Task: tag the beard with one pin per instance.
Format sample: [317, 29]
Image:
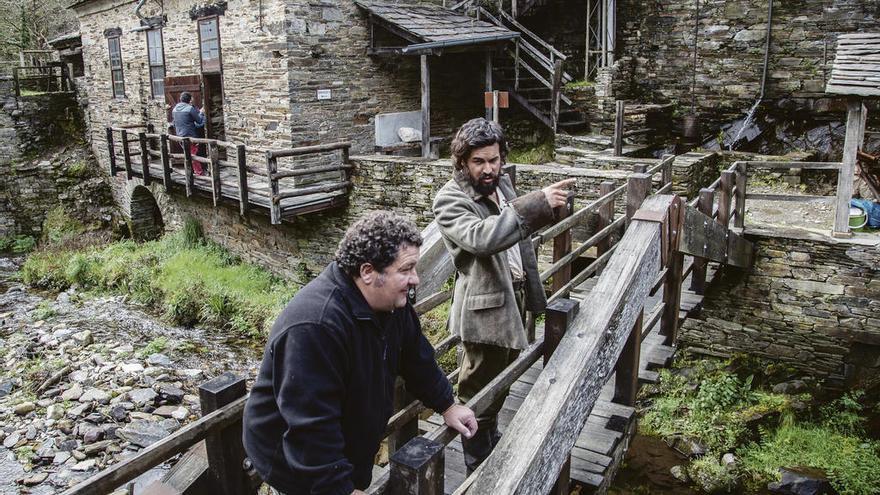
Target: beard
[484, 188]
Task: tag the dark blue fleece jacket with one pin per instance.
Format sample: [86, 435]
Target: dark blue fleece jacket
[318, 410]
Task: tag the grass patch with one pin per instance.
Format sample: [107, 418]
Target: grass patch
[435, 329]
[43, 311]
[582, 84]
[157, 345]
[17, 244]
[189, 280]
[60, 228]
[542, 153]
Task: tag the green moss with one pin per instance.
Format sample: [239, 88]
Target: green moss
[59, 227]
[542, 153]
[43, 311]
[434, 326]
[158, 344]
[18, 244]
[576, 85]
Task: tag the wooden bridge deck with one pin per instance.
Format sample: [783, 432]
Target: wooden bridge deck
[602, 443]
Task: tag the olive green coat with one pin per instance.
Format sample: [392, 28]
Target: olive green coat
[477, 235]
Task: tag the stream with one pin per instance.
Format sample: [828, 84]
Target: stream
[87, 381]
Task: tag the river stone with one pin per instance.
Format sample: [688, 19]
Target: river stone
[190, 373]
[84, 465]
[45, 402]
[83, 338]
[801, 481]
[60, 457]
[6, 388]
[31, 433]
[96, 447]
[118, 413]
[791, 387]
[78, 376]
[170, 394]
[91, 434]
[728, 460]
[10, 441]
[95, 395]
[159, 359]
[79, 410]
[143, 433]
[35, 479]
[73, 393]
[141, 396]
[24, 408]
[68, 445]
[131, 367]
[176, 412]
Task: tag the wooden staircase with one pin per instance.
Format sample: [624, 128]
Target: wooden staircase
[530, 69]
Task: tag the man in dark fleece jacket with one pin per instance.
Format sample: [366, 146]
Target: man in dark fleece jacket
[318, 410]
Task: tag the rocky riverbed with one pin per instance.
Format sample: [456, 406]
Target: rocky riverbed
[88, 381]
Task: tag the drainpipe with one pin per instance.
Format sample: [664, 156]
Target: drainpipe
[766, 49]
[137, 10]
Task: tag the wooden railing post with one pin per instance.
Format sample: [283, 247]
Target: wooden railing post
[225, 450]
[666, 171]
[626, 372]
[166, 161]
[410, 429]
[241, 157]
[560, 313]
[126, 154]
[418, 468]
[113, 169]
[556, 93]
[742, 177]
[606, 216]
[698, 277]
[274, 201]
[187, 165]
[725, 189]
[855, 134]
[214, 153]
[562, 245]
[618, 127]
[145, 158]
[637, 188]
[674, 272]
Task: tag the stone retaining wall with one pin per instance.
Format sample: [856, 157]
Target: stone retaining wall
[809, 302]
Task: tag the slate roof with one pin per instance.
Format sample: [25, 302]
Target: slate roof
[432, 23]
[856, 69]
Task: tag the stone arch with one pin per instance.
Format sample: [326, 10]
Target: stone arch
[145, 217]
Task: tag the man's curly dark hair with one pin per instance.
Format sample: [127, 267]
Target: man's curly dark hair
[474, 134]
[375, 239]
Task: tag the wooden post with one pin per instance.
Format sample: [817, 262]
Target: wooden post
[640, 168]
[666, 171]
[166, 161]
[241, 156]
[410, 429]
[225, 450]
[618, 128]
[698, 275]
[637, 188]
[626, 372]
[145, 158]
[562, 245]
[274, 202]
[742, 177]
[674, 271]
[855, 134]
[560, 313]
[16, 82]
[488, 65]
[187, 166]
[426, 107]
[214, 153]
[516, 64]
[126, 154]
[606, 216]
[556, 93]
[112, 152]
[418, 468]
[725, 189]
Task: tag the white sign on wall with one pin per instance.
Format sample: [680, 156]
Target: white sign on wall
[324, 94]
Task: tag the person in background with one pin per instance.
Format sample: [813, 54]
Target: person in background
[187, 122]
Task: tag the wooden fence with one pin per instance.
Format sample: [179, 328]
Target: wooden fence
[230, 173]
[42, 79]
[621, 111]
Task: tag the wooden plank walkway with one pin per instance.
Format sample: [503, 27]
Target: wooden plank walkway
[604, 439]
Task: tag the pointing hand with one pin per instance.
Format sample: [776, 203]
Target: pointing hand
[557, 193]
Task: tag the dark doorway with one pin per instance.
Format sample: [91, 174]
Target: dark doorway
[214, 127]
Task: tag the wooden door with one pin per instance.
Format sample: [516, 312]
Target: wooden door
[178, 84]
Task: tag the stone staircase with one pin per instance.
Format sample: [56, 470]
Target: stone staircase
[596, 152]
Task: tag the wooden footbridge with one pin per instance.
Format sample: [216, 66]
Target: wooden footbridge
[570, 411]
[287, 183]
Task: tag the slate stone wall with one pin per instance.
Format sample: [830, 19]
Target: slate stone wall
[809, 303]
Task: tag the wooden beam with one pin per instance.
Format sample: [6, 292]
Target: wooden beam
[669, 321]
[145, 158]
[435, 263]
[606, 216]
[241, 162]
[626, 371]
[556, 93]
[214, 154]
[705, 204]
[742, 178]
[426, 106]
[559, 316]
[855, 135]
[702, 236]
[488, 67]
[544, 430]
[166, 162]
[109, 134]
[562, 246]
[638, 186]
[618, 127]
[274, 201]
[187, 166]
[126, 155]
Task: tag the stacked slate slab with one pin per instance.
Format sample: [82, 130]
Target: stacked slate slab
[856, 69]
[430, 23]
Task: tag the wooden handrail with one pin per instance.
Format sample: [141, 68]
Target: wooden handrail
[305, 150]
[311, 170]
